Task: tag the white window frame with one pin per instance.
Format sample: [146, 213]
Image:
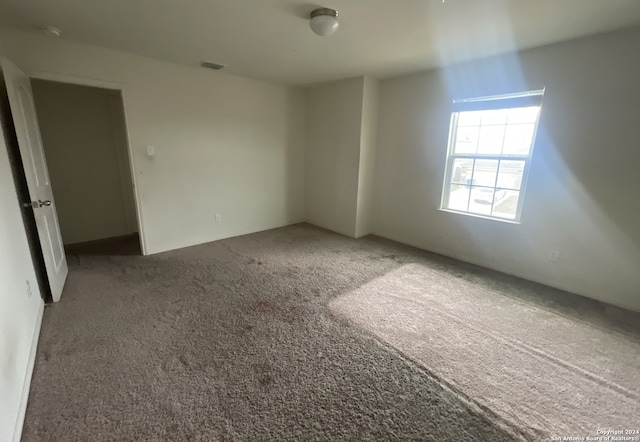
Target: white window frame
[507, 101]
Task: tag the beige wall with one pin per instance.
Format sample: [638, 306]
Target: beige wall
[334, 118]
[341, 133]
[84, 151]
[368, 149]
[582, 195]
[224, 144]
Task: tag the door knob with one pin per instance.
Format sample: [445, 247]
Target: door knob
[36, 204]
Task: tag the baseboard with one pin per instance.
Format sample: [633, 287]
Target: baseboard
[182, 245]
[22, 411]
[331, 229]
[101, 240]
[566, 288]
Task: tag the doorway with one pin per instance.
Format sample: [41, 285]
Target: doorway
[84, 139]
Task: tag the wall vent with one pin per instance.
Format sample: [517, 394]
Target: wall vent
[211, 65]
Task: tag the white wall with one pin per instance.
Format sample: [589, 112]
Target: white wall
[333, 130]
[341, 132]
[368, 149]
[20, 307]
[82, 150]
[224, 144]
[582, 195]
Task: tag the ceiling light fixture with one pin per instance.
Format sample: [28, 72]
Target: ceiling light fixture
[324, 21]
[51, 31]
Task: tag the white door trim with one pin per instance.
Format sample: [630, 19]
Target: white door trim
[118, 129]
[117, 86]
[72, 79]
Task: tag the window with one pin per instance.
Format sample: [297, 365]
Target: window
[490, 145]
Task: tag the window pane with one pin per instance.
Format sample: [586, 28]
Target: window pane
[491, 138]
[489, 152]
[458, 197]
[485, 172]
[467, 139]
[461, 172]
[518, 138]
[469, 118]
[481, 199]
[495, 116]
[523, 115]
[510, 175]
[506, 203]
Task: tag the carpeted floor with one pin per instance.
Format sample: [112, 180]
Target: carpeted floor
[548, 375]
[240, 340]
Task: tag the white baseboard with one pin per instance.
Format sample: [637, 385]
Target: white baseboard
[22, 411]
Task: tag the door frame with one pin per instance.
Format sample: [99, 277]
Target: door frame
[119, 87]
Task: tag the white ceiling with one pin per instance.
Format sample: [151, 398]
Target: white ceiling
[271, 39]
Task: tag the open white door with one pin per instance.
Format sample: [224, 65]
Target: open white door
[25, 120]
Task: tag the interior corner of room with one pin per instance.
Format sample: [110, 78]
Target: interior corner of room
[163, 156]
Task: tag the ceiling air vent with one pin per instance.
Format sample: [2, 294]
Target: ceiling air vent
[211, 65]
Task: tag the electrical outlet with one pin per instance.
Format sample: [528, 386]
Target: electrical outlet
[28, 289]
[218, 217]
[553, 255]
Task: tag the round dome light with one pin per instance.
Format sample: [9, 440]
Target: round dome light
[324, 21]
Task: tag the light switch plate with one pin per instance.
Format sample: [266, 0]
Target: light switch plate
[151, 151]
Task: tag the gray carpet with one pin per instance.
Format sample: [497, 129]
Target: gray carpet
[546, 374]
[236, 340]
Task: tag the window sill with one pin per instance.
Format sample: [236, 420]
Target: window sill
[477, 215]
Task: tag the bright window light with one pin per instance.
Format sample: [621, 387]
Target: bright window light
[490, 145]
